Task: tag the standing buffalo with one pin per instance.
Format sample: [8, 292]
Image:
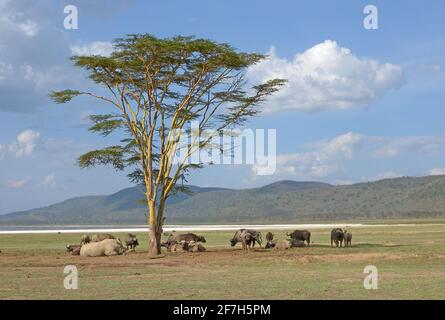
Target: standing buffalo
[131, 242]
[347, 238]
[247, 237]
[302, 235]
[337, 236]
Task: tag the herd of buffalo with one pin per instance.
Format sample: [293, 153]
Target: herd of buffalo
[108, 245]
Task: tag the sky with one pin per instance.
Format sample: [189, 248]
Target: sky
[360, 104]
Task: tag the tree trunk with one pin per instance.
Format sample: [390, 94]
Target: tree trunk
[154, 247]
[154, 231]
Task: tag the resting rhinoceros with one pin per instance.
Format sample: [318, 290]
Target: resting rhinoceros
[107, 247]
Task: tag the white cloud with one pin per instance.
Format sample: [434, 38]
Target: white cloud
[17, 184]
[436, 171]
[93, 48]
[24, 144]
[28, 27]
[2, 151]
[34, 56]
[343, 182]
[383, 175]
[49, 180]
[16, 20]
[324, 77]
[5, 70]
[330, 156]
[324, 160]
[392, 147]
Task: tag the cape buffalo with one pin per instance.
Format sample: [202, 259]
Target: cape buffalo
[247, 237]
[95, 238]
[270, 244]
[269, 239]
[302, 235]
[131, 242]
[74, 249]
[337, 236]
[196, 247]
[296, 243]
[189, 237]
[182, 246]
[347, 238]
[100, 237]
[85, 239]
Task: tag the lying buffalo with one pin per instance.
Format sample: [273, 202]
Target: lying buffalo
[337, 237]
[74, 249]
[182, 242]
[188, 237]
[247, 237]
[101, 237]
[285, 244]
[107, 247]
[302, 235]
[294, 243]
[184, 246]
[95, 238]
[196, 247]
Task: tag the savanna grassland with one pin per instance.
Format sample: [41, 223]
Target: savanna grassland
[410, 260]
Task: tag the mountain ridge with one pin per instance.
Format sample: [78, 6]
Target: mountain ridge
[281, 201]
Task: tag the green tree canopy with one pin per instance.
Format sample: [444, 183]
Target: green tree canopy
[157, 87]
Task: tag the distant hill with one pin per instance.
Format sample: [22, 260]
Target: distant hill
[283, 201]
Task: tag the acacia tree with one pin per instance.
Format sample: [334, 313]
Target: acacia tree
[157, 87]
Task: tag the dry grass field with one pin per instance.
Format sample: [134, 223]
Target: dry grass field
[410, 261]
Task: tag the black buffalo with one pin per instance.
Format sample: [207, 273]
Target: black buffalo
[347, 238]
[74, 249]
[247, 237]
[337, 236]
[189, 237]
[131, 242]
[302, 235]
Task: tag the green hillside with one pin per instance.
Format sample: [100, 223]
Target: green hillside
[283, 201]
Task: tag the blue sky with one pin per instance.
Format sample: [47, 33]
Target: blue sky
[361, 104]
